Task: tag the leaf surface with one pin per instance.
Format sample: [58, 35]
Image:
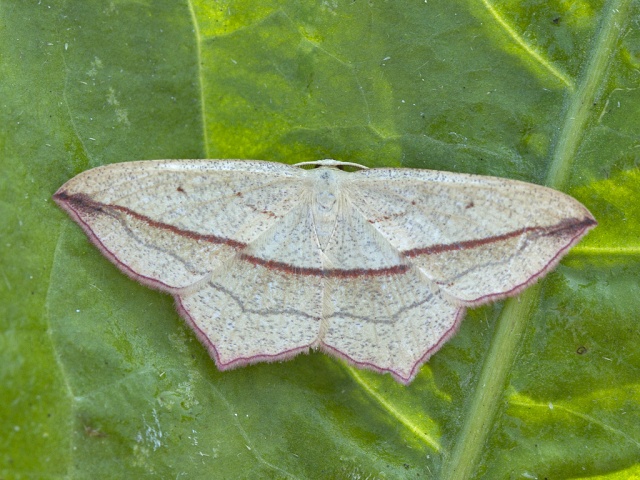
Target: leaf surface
[99, 377]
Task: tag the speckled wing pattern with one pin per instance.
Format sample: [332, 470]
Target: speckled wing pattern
[267, 260]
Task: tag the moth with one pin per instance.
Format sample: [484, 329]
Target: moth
[267, 260]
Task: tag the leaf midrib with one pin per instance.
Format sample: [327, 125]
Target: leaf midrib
[488, 396]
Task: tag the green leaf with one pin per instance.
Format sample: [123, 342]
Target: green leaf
[100, 378]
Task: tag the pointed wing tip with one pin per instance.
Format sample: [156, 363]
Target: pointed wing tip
[60, 196]
[576, 230]
[589, 224]
[579, 228]
[72, 205]
[67, 201]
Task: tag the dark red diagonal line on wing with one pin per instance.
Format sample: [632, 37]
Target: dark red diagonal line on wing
[83, 202]
[569, 225]
[326, 272]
